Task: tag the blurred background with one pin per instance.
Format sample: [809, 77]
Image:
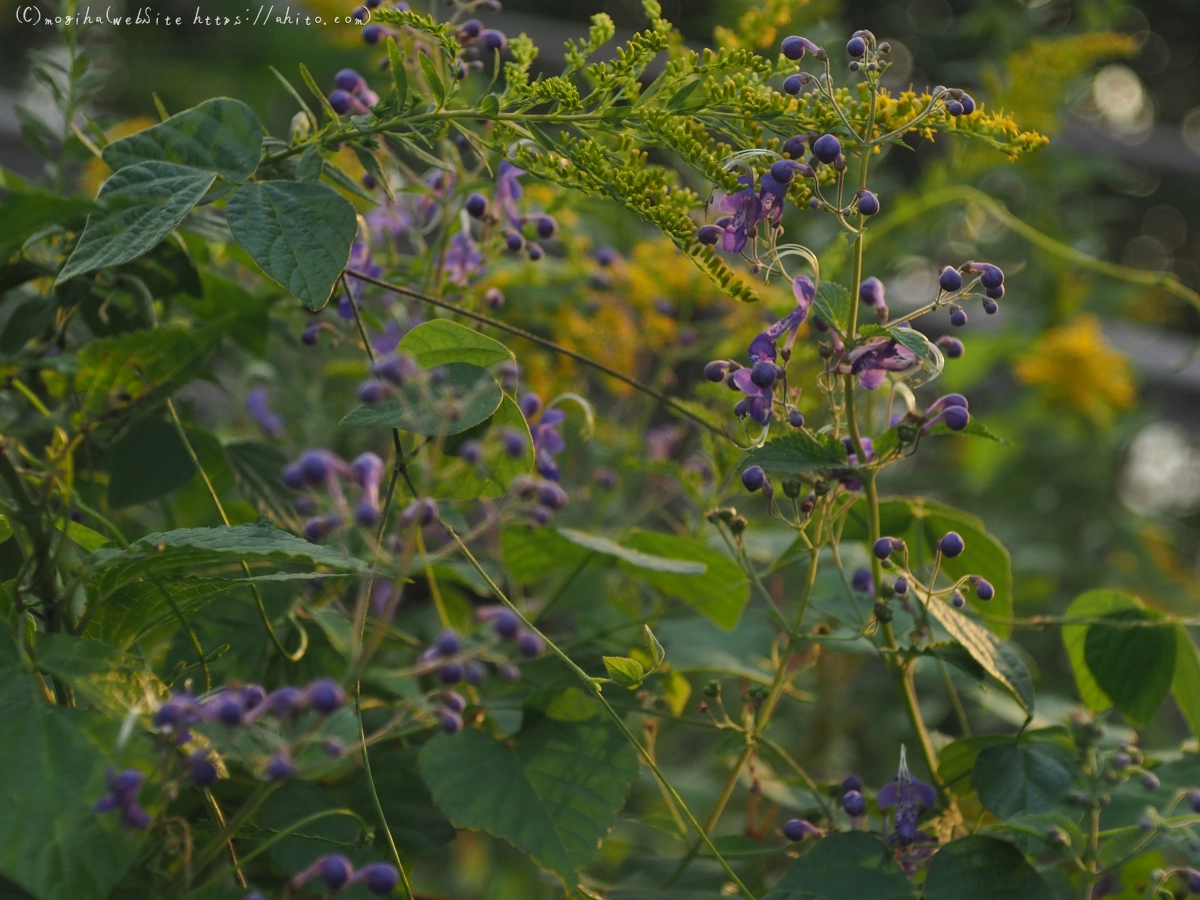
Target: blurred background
[1093, 381]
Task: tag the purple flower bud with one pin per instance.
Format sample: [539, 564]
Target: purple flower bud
[994, 293]
[368, 470]
[534, 250]
[798, 830]
[852, 783]
[950, 280]
[552, 496]
[422, 512]
[311, 330]
[335, 870]
[967, 103]
[957, 600]
[796, 419]
[545, 226]
[951, 544]
[983, 588]
[451, 722]
[280, 766]
[469, 30]
[856, 47]
[793, 48]
[955, 417]
[325, 696]
[319, 527]
[372, 33]
[794, 147]
[901, 586]
[606, 478]
[958, 317]
[514, 240]
[884, 547]
[125, 784]
[906, 832]
[293, 476]
[349, 80]
[227, 709]
[862, 581]
[451, 673]
[990, 276]
[493, 40]
[508, 673]
[763, 374]
[454, 700]
[871, 292]
[854, 803]
[476, 206]
[1121, 761]
[514, 442]
[954, 108]
[380, 878]
[394, 369]
[1150, 781]
[474, 672]
[868, 203]
[827, 148]
[754, 478]
[716, 371]
[448, 643]
[204, 771]
[951, 346]
[529, 644]
[506, 624]
[793, 84]
[341, 101]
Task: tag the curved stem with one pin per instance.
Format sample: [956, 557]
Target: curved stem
[408, 891]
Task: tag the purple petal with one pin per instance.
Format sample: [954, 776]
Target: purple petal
[804, 290]
[888, 795]
[762, 347]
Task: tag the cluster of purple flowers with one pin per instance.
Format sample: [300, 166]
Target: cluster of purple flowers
[323, 468]
[520, 228]
[351, 94]
[543, 428]
[950, 545]
[454, 662]
[337, 873]
[387, 372]
[952, 285]
[123, 789]
[757, 383]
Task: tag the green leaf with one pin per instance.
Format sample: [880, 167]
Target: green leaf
[299, 233]
[310, 165]
[419, 409]
[1000, 661]
[399, 72]
[852, 864]
[1091, 605]
[22, 213]
[720, 593]
[51, 775]
[532, 553]
[489, 106]
[974, 428]
[657, 654]
[929, 355]
[433, 78]
[832, 304]
[147, 462]
[141, 366]
[796, 454]
[1186, 684]
[415, 822]
[78, 534]
[255, 467]
[1026, 777]
[441, 341]
[193, 550]
[956, 761]
[628, 673]
[635, 558]
[552, 792]
[679, 100]
[1132, 661]
[983, 868]
[139, 206]
[220, 135]
[502, 468]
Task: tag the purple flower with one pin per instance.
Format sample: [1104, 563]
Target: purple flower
[909, 797]
[509, 191]
[747, 211]
[546, 438]
[951, 409]
[873, 360]
[389, 220]
[260, 411]
[123, 788]
[462, 259]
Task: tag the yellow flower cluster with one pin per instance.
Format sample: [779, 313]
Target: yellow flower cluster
[1075, 368]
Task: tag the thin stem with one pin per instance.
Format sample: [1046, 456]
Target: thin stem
[408, 892]
[212, 492]
[678, 408]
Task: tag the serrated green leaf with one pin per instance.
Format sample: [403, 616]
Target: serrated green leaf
[440, 341]
[553, 791]
[415, 409]
[1132, 660]
[983, 868]
[832, 305]
[852, 864]
[298, 233]
[139, 206]
[1026, 777]
[626, 672]
[220, 135]
[796, 453]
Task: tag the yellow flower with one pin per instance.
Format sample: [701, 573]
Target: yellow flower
[1074, 367]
